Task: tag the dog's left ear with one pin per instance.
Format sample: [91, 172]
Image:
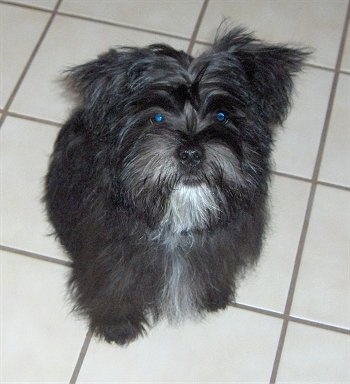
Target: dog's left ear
[269, 69]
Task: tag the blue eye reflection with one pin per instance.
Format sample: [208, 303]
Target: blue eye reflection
[220, 117]
[158, 117]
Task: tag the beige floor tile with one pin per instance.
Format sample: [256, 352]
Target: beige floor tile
[40, 94]
[314, 355]
[267, 286]
[297, 143]
[323, 287]
[233, 346]
[20, 30]
[335, 167]
[176, 17]
[40, 341]
[25, 150]
[316, 23]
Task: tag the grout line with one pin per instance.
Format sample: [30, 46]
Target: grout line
[319, 66]
[324, 326]
[291, 176]
[336, 186]
[121, 25]
[310, 202]
[81, 357]
[27, 6]
[197, 26]
[35, 255]
[307, 180]
[294, 319]
[203, 42]
[261, 311]
[35, 119]
[29, 63]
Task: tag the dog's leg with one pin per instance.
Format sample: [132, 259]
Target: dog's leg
[218, 299]
[111, 300]
[120, 329]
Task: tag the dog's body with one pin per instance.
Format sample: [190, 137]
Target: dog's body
[158, 183]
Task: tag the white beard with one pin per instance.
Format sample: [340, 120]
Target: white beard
[190, 207]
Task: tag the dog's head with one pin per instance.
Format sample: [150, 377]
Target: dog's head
[187, 140]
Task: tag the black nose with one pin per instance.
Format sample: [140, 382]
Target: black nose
[190, 156]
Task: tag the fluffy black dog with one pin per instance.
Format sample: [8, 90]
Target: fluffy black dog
[158, 183]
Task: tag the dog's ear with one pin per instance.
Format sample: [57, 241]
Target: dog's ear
[103, 86]
[98, 88]
[269, 69]
[119, 71]
[91, 80]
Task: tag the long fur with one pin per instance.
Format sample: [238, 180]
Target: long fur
[153, 232]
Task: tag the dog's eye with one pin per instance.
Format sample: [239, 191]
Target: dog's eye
[158, 118]
[220, 117]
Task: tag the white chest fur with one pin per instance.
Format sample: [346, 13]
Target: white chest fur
[189, 208]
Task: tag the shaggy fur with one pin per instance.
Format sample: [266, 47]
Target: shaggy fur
[161, 216]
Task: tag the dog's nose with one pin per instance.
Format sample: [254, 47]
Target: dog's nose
[190, 156]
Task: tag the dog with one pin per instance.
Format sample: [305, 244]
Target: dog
[157, 187]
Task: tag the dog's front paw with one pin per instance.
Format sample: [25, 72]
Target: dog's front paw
[121, 332]
[217, 301]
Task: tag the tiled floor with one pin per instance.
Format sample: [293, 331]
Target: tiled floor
[291, 322]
